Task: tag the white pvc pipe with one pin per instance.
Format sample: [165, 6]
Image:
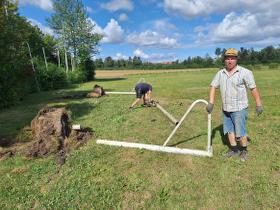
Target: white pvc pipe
[209, 147]
[121, 93]
[154, 147]
[167, 114]
[209, 142]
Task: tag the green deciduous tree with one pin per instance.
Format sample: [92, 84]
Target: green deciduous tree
[109, 62]
[75, 31]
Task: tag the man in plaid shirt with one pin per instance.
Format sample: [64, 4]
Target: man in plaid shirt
[233, 81]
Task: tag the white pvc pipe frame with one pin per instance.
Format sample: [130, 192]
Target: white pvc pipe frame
[121, 93]
[164, 148]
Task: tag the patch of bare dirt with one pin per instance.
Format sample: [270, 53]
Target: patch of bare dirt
[49, 128]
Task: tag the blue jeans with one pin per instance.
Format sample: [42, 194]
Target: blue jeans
[235, 122]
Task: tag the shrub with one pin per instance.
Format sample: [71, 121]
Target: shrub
[53, 78]
[58, 76]
[88, 69]
[12, 82]
[77, 76]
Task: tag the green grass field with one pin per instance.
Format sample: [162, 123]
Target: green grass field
[104, 177]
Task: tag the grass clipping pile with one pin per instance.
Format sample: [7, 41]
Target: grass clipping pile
[52, 134]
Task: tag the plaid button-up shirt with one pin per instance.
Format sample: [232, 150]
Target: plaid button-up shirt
[233, 87]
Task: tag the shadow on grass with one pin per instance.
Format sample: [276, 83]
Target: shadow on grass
[219, 129]
[186, 140]
[108, 79]
[79, 109]
[82, 94]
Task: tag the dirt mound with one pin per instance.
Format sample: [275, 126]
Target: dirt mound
[51, 134]
[49, 129]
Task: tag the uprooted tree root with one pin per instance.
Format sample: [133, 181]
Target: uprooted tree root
[51, 134]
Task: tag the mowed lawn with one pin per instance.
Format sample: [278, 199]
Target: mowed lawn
[104, 177]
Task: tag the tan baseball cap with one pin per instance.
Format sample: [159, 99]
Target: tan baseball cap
[231, 52]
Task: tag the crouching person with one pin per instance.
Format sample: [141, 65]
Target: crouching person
[143, 90]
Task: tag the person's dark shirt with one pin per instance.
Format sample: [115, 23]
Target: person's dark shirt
[141, 89]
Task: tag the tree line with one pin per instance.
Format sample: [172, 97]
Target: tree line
[268, 55]
[32, 61]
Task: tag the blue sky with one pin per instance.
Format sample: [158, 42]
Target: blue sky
[166, 30]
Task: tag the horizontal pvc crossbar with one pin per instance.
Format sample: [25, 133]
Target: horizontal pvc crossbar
[155, 147]
[121, 93]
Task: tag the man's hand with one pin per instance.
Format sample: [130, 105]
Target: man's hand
[209, 108]
[259, 110]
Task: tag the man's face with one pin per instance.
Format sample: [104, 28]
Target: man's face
[230, 62]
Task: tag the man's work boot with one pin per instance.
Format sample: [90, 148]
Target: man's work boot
[243, 155]
[231, 153]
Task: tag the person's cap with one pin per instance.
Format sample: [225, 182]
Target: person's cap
[231, 52]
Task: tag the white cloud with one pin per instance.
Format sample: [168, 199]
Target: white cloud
[154, 56]
[188, 8]
[152, 39]
[97, 29]
[116, 5]
[254, 20]
[43, 4]
[44, 29]
[198, 8]
[112, 33]
[163, 25]
[120, 56]
[123, 17]
[243, 28]
[140, 53]
[235, 27]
